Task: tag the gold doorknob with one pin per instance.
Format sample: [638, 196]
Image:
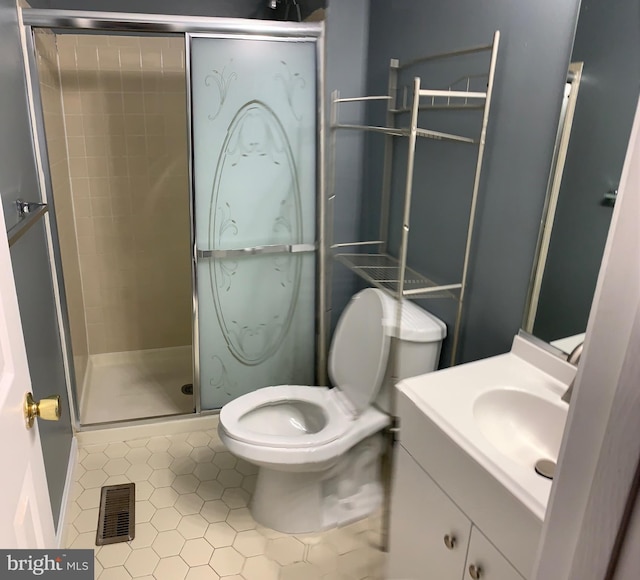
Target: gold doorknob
[47, 409]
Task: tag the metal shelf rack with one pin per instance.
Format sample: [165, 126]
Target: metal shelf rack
[379, 268]
[383, 271]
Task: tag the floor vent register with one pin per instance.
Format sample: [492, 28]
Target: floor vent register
[116, 520]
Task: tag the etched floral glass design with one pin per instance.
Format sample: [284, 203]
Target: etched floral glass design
[254, 155]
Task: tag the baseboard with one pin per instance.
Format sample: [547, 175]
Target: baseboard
[66, 494]
[148, 428]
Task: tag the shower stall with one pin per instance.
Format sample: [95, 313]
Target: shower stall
[181, 162]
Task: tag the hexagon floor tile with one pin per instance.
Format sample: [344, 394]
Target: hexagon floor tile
[193, 521]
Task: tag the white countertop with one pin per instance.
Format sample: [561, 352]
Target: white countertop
[447, 397]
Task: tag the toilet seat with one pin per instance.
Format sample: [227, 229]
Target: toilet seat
[336, 421]
[307, 452]
[281, 425]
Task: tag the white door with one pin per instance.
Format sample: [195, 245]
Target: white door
[27, 520]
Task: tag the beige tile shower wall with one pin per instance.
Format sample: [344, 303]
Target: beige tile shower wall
[125, 113]
[57, 148]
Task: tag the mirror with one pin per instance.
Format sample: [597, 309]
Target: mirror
[595, 124]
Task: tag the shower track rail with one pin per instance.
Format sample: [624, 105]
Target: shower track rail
[155, 23]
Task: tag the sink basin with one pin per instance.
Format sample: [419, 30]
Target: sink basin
[504, 413]
[522, 426]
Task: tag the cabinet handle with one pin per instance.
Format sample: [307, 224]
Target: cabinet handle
[475, 572]
[450, 541]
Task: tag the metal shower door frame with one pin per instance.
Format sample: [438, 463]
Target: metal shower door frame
[188, 26]
[41, 158]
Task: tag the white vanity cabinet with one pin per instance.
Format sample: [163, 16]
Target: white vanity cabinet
[431, 538]
[429, 535]
[452, 478]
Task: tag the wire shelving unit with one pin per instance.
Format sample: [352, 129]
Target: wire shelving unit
[379, 268]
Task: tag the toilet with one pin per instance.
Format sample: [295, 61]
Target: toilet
[318, 449]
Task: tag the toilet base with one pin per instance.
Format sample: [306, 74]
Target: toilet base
[306, 502]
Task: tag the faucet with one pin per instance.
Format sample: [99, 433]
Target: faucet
[573, 358]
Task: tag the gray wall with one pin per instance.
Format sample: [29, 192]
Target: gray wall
[17, 171]
[608, 42]
[347, 30]
[534, 54]
[30, 255]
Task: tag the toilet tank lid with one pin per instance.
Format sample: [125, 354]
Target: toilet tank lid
[417, 325]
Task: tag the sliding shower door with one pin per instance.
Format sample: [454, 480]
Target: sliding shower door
[253, 122]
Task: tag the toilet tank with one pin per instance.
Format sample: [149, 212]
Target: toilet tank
[418, 350]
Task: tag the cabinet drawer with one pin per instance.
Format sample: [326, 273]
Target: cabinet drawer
[489, 563]
[421, 516]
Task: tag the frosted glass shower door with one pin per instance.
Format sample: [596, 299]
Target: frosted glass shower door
[254, 174]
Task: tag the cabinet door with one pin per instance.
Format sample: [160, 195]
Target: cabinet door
[421, 516]
[488, 562]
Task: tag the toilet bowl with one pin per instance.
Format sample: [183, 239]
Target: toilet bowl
[318, 448]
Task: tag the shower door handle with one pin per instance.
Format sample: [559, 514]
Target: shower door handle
[257, 250]
[29, 213]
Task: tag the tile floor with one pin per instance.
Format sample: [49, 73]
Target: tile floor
[137, 384]
[192, 520]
